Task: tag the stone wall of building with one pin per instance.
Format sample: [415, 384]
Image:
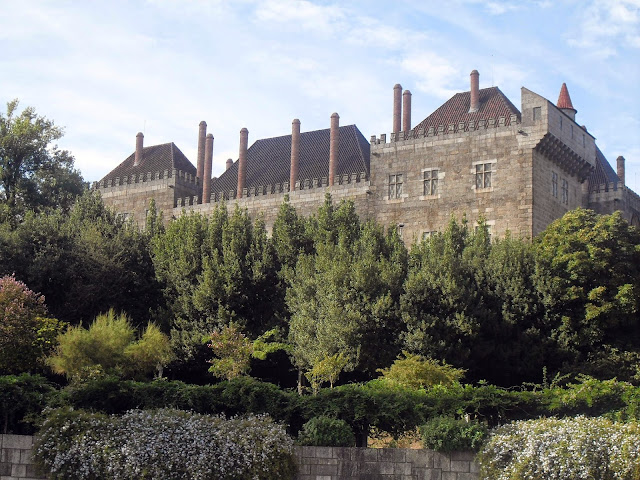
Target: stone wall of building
[131, 196]
[331, 463]
[306, 201]
[505, 205]
[16, 462]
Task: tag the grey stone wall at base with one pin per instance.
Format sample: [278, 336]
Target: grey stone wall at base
[342, 463]
[15, 458]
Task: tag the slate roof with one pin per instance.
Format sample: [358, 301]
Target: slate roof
[603, 173]
[269, 159]
[492, 104]
[156, 158]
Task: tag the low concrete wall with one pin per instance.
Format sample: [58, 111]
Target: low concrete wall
[331, 463]
[15, 458]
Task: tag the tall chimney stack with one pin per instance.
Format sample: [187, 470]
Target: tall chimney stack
[475, 92]
[295, 153]
[620, 168]
[397, 107]
[202, 133]
[139, 145]
[333, 146]
[406, 111]
[242, 160]
[229, 163]
[208, 164]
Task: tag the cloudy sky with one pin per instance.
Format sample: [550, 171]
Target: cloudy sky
[106, 70]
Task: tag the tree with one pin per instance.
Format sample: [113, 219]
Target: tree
[109, 346]
[232, 352]
[26, 335]
[416, 371]
[588, 275]
[34, 174]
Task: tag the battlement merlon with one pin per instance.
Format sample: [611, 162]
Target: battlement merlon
[452, 128]
[147, 179]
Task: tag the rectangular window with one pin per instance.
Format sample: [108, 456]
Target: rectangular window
[554, 184]
[483, 175]
[430, 182]
[537, 113]
[565, 191]
[426, 235]
[395, 185]
[560, 122]
[571, 131]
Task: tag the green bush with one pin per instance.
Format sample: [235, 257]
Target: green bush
[562, 449]
[447, 434]
[162, 445]
[326, 432]
[22, 398]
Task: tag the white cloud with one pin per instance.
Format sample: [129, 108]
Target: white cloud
[435, 75]
[300, 15]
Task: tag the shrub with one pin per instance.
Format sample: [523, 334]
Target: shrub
[22, 398]
[162, 444]
[326, 432]
[447, 434]
[562, 449]
[416, 371]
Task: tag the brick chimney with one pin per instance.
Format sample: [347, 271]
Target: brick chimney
[295, 153]
[229, 163]
[208, 164]
[406, 111]
[474, 104]
[139, 145]
[242, 160]
[397, 107]
[620, 168]
[333, 146]
[202, 133]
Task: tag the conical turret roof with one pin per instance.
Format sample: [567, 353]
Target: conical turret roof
[564, 100]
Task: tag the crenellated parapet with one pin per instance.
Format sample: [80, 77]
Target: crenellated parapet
[460, 127]
[279, 189]
[143, 179]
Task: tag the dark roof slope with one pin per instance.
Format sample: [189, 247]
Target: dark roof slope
[493, 104]
[603, 173]
[156, 158]
[269, 159]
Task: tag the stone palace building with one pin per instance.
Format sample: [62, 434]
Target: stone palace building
[477, 154]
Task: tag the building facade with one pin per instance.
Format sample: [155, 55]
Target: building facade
[477, 155]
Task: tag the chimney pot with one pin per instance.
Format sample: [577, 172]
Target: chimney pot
[620, 168]
[202, 133]
[475, 92]
[229, 163]
[139, 145]
[295, 153]
[406, 111]
[397, 107]
[333, 146]
[208, 165]
[242, 160]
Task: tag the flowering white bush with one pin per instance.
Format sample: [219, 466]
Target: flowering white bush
[162, 444]
[563, 449]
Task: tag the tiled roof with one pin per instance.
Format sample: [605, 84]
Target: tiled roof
[269, 159]
[156, 158]
[603, 173]
[493, 104]
[564, 100]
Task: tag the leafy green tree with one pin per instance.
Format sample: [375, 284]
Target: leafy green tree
[34, 174]
[109, 347]
[588, 275]
[416, 371]
[26, 334]
[232, 352]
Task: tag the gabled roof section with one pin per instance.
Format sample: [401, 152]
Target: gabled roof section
[492, 104]
[564, 100]
[155, 158]
[269, 159]
[603, 174]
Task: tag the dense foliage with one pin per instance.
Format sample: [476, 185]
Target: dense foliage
[326, 432]
[162, 445]
[22, 399]
[562, 449]
[448, 434]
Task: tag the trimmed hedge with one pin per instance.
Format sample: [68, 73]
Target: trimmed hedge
[326, 432]
[22, 398]
[447, 434]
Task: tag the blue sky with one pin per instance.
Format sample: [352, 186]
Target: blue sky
[106, 70]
